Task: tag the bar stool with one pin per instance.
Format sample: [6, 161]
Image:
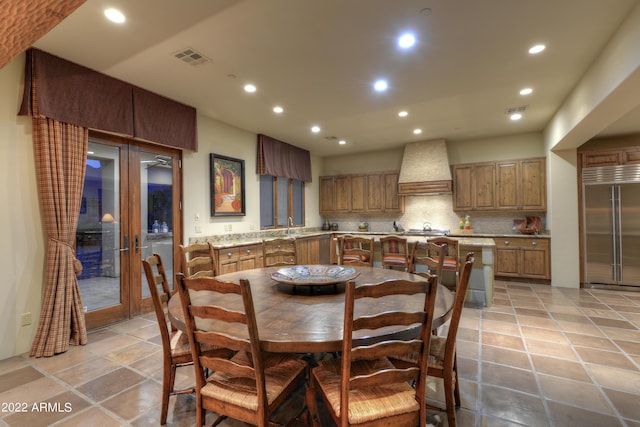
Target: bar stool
[395, 252]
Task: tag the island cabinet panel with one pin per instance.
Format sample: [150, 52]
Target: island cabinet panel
[375, 193]
[343, 194]
[358, 193]
[327, 194]
[521, 257]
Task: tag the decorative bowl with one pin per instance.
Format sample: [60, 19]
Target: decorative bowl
[314, 275]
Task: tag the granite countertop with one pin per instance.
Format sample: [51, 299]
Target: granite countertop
[464, 239]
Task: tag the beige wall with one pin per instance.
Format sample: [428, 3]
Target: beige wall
[22, 243]
[220, 138]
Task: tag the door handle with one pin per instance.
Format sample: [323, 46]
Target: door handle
[126, 244]
[137, 243]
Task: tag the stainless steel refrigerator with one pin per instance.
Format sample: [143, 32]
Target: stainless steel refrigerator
[611, 225]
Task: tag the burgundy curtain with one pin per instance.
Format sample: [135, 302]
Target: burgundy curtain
[277, 158]
[60, 156]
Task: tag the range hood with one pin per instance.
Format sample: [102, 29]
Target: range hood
[425, 169]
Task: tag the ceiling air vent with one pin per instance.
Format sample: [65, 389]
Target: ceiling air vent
[513, 110]
[191, 57]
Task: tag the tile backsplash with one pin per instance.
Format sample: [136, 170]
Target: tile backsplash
[437, 211]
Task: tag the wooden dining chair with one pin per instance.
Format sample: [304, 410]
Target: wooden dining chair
[394, 252]
[175, 345]
[355, 250]
[200, 259]
[362, 387]
[281, 251]
[451, 258]
[442, 355]
[429, 256]
[251, 384]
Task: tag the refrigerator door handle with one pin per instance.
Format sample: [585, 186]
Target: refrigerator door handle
[614, 241]
[618, 232]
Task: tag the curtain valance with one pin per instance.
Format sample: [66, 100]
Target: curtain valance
[278, 158]
[70, 93]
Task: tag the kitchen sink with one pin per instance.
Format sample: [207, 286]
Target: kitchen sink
[420, 232]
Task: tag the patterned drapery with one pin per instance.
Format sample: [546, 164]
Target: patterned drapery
[60, 156]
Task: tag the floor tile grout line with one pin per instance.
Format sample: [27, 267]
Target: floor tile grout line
[584, 366]
[541, 395]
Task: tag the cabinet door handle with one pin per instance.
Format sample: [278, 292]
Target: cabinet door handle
[506, 242]
[534, 243]
[229, 254]
[248, 251]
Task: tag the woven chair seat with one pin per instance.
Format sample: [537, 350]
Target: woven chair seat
[370, 403]
[179, 343]
[280, 371]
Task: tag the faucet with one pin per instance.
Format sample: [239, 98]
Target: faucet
[289, 224]
[426, 226]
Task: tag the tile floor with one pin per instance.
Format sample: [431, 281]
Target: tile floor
[540, 356]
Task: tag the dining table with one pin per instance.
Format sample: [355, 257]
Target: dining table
[306, 318]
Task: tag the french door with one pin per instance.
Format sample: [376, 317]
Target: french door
[130, 209]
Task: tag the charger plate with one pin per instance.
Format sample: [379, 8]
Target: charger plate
[314, 275]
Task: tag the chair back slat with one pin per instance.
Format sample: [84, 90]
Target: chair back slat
[222, 315]
[394, 376]
[216, 364]
[422, 291]
[199, 257]
[430, 255]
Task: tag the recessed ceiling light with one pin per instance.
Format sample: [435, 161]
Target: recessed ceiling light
[417, 131]
[114, 15]
[380, 85]
[515, 116]
[249, 88]
[526, 91]
[406, 40]
[403, 114]
[315, 129]
[342, 142]
[537, 49]
[278, 109]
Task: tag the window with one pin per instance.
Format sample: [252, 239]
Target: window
[281, 198]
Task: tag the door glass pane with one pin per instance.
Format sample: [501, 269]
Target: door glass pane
[98, 232]
[156, 210]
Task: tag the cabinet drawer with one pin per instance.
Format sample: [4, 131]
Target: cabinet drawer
[522, 243]
[228, 254]
[252, 251]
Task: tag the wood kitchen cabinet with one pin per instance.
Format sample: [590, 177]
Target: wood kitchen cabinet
[238, 258]
[521, 257]
[521, 185]
[611, 157]
[360, 193]
[342, 201]
[327, 194]
[313, 250]
[474, 187]
[514, 185]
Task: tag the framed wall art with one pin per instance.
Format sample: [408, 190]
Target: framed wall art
[227, 186]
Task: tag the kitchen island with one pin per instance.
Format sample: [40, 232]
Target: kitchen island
[480, 283]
